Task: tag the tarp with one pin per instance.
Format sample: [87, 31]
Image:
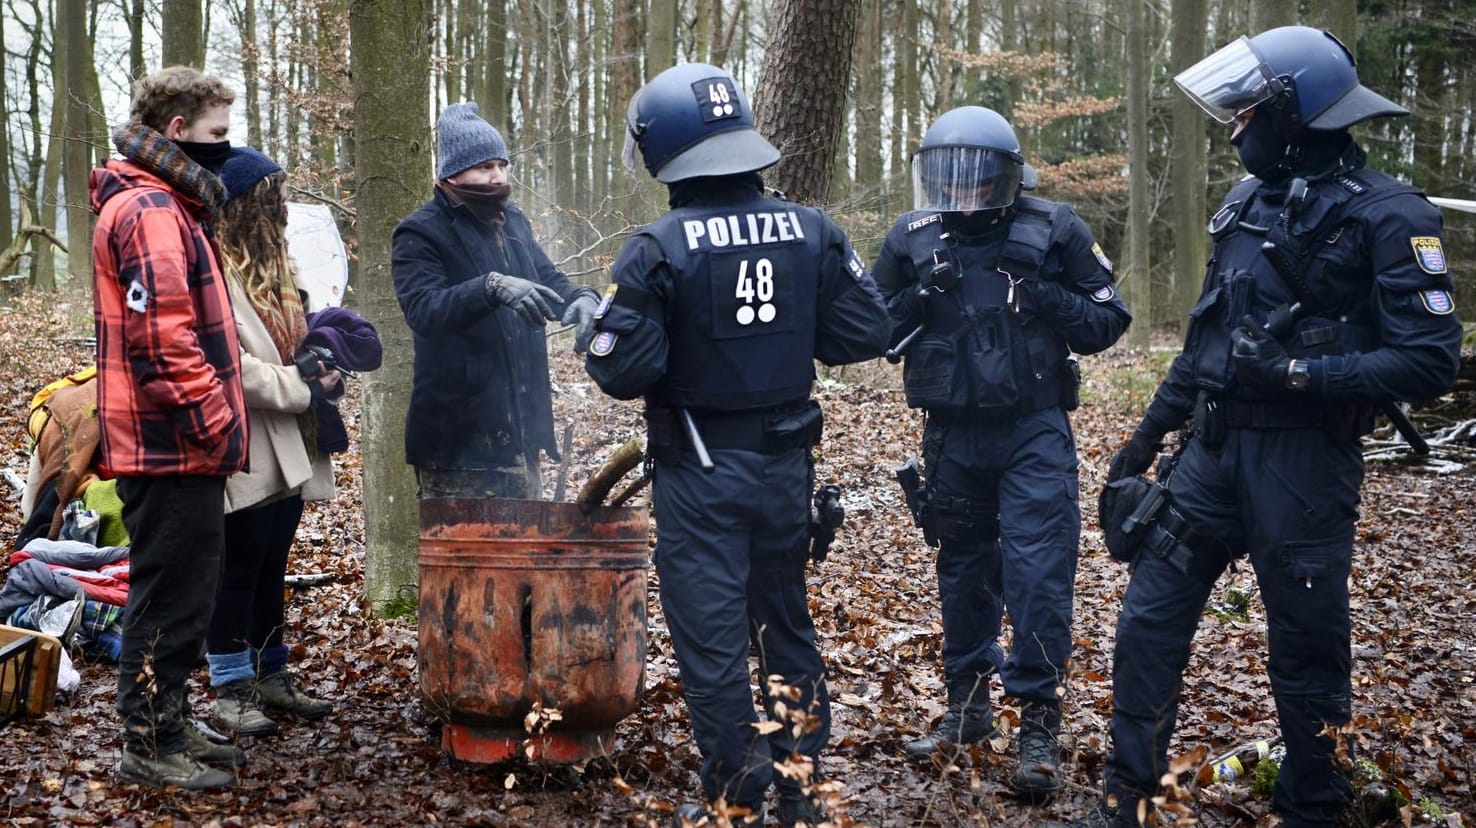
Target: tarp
[322, 262]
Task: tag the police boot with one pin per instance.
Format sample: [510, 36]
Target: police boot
[969, 719]
[1040, 753]
[797, 807]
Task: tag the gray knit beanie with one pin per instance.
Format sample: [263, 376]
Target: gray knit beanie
[464, 140]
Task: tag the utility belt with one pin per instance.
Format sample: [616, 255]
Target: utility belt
[772, 430]
[1342, 422]
[1061, 393]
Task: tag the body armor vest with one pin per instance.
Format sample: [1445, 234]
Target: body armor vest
[742, 314]
[981, 351]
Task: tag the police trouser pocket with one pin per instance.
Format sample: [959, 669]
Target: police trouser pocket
[1306, 560]
[956, 520]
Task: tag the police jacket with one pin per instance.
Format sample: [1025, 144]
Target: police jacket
[1012, 301]
[724, 303]
[481, 391]
[1377, 320]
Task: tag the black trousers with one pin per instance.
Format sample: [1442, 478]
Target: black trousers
[249, 602]
[176, 526]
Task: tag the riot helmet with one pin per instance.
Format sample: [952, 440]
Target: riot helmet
[1305, 76]
[969, 161]
[693, 120]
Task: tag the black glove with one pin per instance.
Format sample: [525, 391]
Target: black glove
[532, 301]
[1136, 457]
[581, 314]
[1260, 360]
[1048, 298]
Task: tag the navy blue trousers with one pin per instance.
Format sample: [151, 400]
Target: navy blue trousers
[1031, 570]
[731, 550]
[1288, 499]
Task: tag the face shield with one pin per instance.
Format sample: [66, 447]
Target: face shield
[1229, 81]
[964, 179]
[630, 152]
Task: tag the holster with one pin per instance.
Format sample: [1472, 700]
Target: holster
[663, 434]
[1209, 420]
[1070, 378]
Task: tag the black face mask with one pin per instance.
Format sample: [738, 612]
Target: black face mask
[975, 224]
[211, 155]
[1262, 148]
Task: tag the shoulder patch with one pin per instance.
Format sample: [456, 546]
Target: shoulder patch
[1352, 184]
[1438, 302]
[1104, 294]
[607, 300]
[1429, 254]
[858, 270]
[924, 222]
[1105, 262]
[603, 344]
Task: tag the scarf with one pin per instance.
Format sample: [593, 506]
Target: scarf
[486, 203]
[148, 148]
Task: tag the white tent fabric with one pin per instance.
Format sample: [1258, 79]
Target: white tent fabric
[322, 262]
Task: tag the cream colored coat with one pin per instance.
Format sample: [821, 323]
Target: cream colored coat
[275, 396]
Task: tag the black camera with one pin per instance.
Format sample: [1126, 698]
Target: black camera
[312, 362]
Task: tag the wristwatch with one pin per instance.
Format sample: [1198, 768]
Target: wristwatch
[1297, 375]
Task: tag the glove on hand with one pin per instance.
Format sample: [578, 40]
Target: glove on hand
[581, 314]
[532, 301]
[1135, 457]
[1260, 360]
[1048, 297]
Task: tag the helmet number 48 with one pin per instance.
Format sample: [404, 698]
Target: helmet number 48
[755, 285]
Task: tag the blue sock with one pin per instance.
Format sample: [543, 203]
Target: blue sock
[271, 660]
[228, 667]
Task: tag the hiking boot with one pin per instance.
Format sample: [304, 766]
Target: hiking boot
[238, 709]
[1037, 780]
[969, 719]
[1104, 815]
[277, 691]
[212, 753]
[799, 808]
[178, 769]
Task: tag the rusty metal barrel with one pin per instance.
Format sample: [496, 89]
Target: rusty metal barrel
[531, 605]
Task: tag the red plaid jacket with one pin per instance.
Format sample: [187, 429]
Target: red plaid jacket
[169, 371]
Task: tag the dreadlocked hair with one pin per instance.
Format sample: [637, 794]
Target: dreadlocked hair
[252, 231]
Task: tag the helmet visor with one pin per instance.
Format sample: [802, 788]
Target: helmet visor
[1228, 82]
[965, 179]
[630, 151]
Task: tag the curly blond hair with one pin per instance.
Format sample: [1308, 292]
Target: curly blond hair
[252, 231]
[177, 90]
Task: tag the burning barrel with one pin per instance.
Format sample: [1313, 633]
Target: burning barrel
[531, 605]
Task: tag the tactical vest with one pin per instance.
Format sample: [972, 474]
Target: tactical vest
[977, 355]
[1333, 281]
[741, 317]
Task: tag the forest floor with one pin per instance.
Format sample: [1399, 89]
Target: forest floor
[377, 760]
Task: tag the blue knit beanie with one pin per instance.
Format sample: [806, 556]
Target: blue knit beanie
[464, 140]
[243, 169]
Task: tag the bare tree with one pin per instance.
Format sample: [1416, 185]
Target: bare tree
[1189, 149]
[801, 103]
[184, 33]
[73, 15]
[392, 136]
[1135, 281]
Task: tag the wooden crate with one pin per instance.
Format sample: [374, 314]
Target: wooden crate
[45, 664]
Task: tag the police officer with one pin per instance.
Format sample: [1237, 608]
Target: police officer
[1001, 289]
[715, 315]
[1345, 266]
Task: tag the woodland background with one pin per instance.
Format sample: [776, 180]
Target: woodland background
[344, 92]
